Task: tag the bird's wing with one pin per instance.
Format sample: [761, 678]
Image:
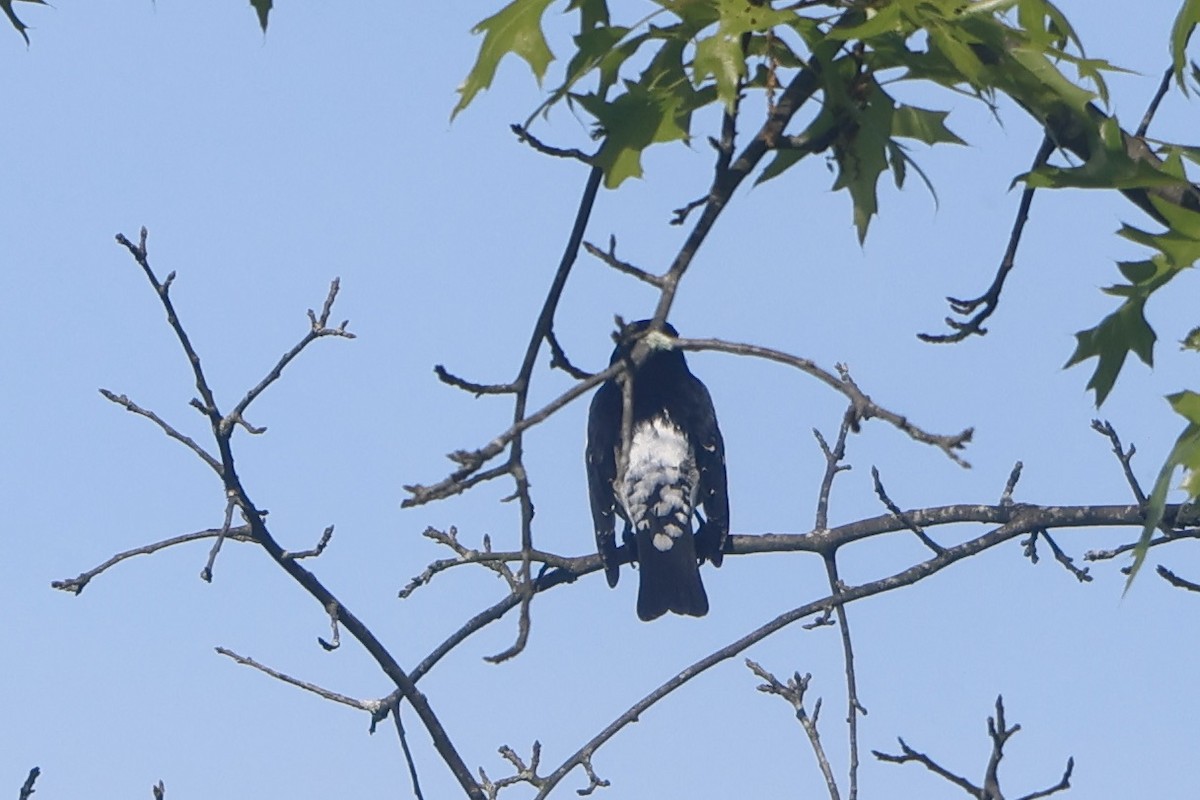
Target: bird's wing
[604, 426]
[710, 458]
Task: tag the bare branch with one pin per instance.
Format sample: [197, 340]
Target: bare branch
[332, 608]
[1068, 563]
[208, 403]
[169, 430]
[450, 487]
[318, 328]
[833, 465]
[559, 360]
[206, 573]
[522, 773]
[990, 300]
[322, 543]
[408, 756]
[727, 179]
[76, 585]
[1105, 428]
[1171, 536]
[610, 258]
[1010, 485]
[1018, 524]
[999, 733]
[27, 787]
[370, 706]
[477, 389]
[907, 754]
[882, 494]
[680, 215]
[236, 494]
[793, 692]
[537, 144]
[1152, 109]
[1173, 579]
[864, 406]
[471, 461]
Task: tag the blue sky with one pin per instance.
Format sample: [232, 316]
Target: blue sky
[264, 167]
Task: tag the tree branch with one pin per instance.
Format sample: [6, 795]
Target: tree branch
[990, 300]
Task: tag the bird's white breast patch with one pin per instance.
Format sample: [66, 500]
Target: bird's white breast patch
[658, 489]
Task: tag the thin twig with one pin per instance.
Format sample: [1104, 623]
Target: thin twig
[990, 300]
[76, 585]
[318, 328]
[999, 733]
[206, 573]
[464, 478]
[1173, 579]
[882, 494]
[27, 787]
[1105, 428]
[609, 257]
[333, 609]
[477, 389]
[163, 290]
[541, 329]
[1068, 563]
[864, 406]
[322, 543]
[408, 756]
[1152, 109]
[1173, 536]
[728, 177]
[166, 428]
[793, 692]
[537, 144]
[1010, 486]
[559, 360]
[337, 697]
[833, 465]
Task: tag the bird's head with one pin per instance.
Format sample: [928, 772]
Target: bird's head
[661, 340]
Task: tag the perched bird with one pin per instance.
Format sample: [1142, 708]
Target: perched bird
[675, 463]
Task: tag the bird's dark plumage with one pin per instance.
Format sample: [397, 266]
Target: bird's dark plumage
[676, 463]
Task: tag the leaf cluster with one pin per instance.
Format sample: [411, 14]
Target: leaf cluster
[647, 77]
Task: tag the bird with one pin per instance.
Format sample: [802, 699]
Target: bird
[675, 464]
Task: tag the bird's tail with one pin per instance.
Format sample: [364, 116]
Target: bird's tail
[669, 578]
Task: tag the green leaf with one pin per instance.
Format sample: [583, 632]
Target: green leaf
[601, 47]
[592, 13]
[1047, 24]
[1185, 454]
[262, 8]
[1121, 332]
[15, 20]
[861, 154]
[631, 123]
[784, 159]
[1192, 340]
[910, 122]
[516, 28]
[1181, 32]
[720, 56]
[959, 53]
[1109, 167]
[900, 160]
[877, 21]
